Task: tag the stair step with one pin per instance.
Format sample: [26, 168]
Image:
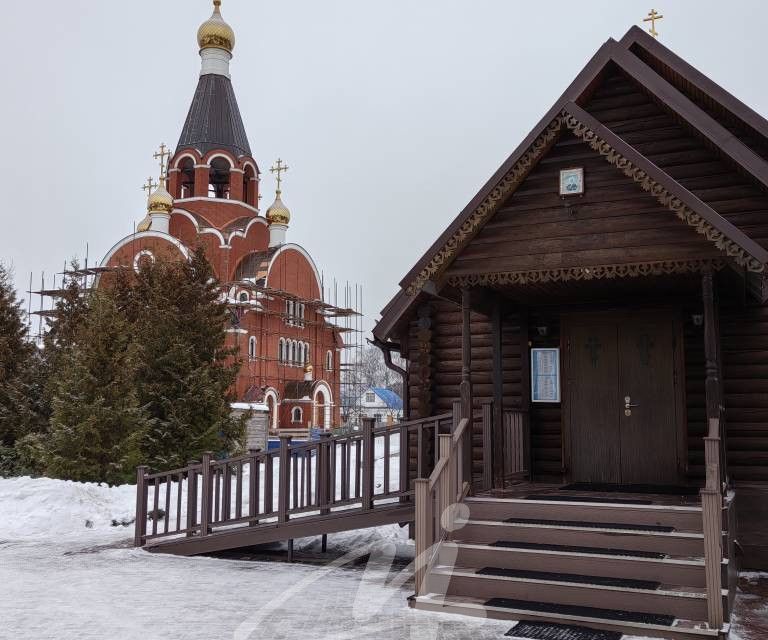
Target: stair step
[584, 612]
[562, 498]
[605, 581]
[591, 509]
[564, 548]
[677, 571]
[681, 629]
[592, 525]
[688, 602]
[676, 543]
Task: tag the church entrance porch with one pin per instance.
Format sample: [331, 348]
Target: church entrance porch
[622, 411]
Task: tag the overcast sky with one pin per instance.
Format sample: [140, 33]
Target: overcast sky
[391, 114]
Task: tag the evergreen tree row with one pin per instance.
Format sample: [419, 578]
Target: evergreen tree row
[133, 372]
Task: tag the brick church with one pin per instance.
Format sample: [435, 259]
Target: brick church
[208, 194]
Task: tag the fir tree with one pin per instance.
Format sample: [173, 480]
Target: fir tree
[19, 392]
[97, 421]
[186, 371]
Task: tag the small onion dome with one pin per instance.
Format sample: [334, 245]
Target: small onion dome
[160, 201]
[278, 213]
[214, 33]
[309, 369]
[145, 224]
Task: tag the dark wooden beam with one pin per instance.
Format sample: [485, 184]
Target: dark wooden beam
[465, 389]
[498, 398]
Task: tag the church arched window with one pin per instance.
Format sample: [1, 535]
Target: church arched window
[252, 348]
[218, 178]
[329, 361]
[300, 355]
[281, 350]
[297, 415]
[244, 297]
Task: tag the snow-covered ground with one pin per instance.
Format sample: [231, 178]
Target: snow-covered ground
[66, 572]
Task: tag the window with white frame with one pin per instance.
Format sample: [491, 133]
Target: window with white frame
[300, 357]
[244, 297]
[307, 359]
[252, 348]
[329, 361]
[370, 397]
[281, 350]
[297, 415]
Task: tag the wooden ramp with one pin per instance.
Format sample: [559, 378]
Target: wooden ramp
[337, 483]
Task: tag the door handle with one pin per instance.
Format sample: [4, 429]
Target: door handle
[628, 406]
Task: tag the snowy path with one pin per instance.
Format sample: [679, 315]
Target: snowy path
[60, 580]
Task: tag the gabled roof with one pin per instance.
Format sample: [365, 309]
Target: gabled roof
[698, 103]
[214, 120]
[389, 398]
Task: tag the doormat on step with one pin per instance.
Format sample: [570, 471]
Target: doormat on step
[583, 612]
[562, 498]
[563, 548]
[592, 525]
[658, 489]
[547, 631]
[605, 581]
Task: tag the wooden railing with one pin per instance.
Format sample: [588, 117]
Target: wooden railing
[712, 514]
[361, 470]
[437, 495]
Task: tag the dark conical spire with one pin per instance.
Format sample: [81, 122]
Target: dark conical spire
[214, 120]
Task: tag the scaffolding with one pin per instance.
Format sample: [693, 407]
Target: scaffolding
[337, 310]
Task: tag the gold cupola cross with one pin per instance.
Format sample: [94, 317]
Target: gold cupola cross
[279, 168]
[149, 187]
[162, 154]
[653, 16]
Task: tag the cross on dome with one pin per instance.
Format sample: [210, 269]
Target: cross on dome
[279, 168]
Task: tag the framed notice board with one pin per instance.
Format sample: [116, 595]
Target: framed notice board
[545, 375]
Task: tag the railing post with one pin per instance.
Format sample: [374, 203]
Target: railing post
[423, 520]
[445, 487]
[712, 509]
[405, 461]
[488, 407]
[191, 498]
[325, 481]
[253, 494]
[205, 515]
[368, 462]
[140, 527]
[283, 489]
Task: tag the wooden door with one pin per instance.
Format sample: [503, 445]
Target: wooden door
[593, 401]
[612, 357]
[647, 377]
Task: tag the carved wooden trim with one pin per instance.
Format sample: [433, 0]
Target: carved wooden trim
[576, 274]
[672, 202]
[488, 207]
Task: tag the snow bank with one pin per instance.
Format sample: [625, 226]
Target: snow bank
[44, 508]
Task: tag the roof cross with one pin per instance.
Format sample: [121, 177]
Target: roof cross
[161, 155]
[149, 186]
[653, 16]
[279, 168]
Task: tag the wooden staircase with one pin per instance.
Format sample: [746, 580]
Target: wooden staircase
[633, 568]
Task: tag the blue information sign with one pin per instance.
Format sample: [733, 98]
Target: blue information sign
[545, 375]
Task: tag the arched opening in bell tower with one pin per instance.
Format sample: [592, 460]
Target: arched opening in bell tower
[249, 185]
[186, 187]
[218, 178]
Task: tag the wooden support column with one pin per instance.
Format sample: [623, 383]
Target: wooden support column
[465, 388]
[497, 435]
[206, 500]
[712, 386]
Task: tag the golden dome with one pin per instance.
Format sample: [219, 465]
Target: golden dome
[309, 369]
[278, 213]
[214, 33]
[160, 201]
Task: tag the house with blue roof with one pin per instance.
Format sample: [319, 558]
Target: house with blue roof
[383, 405]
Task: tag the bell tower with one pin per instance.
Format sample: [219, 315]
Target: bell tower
[213, 157]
